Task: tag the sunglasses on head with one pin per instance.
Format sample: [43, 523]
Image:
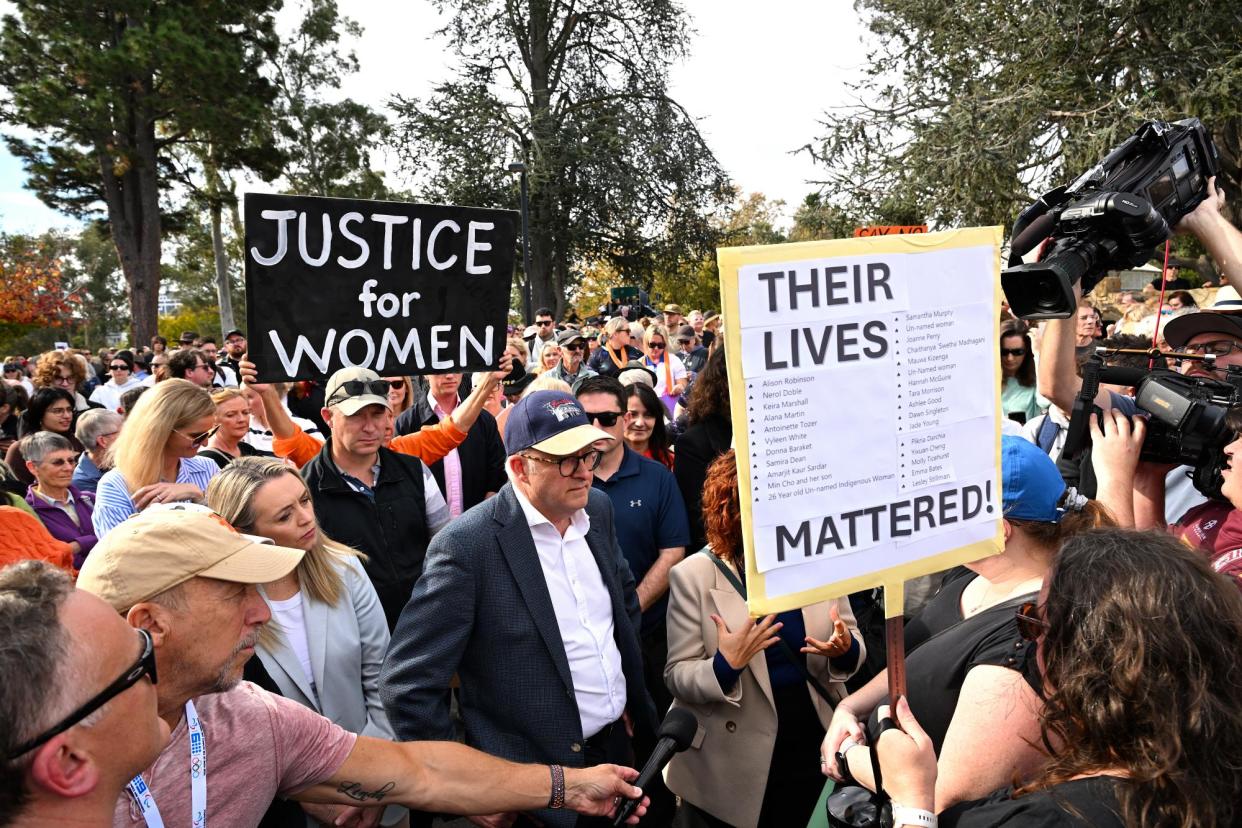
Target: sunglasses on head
[605, 418]
[1031, 623]
[1013, 351]
[358, 388]
[144, 666]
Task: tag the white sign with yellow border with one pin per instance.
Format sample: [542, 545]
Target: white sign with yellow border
[866, 410]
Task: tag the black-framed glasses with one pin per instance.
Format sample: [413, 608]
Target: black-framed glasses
[1031, 623]
[656, 346]
[1219, 347]
[1013, 351]
[199, 439]
[357, 388]
[120, 366]
[568, 466]
[144, 666]
[543, 323]
[608, 419]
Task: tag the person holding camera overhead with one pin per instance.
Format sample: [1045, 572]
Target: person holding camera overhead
[1057, 370]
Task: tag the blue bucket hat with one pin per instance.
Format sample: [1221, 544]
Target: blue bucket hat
[1031, 485]
[551, 422]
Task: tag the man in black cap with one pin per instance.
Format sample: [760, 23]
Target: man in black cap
[529, 601]
[692, 354]
[572, 368]
[234, 350]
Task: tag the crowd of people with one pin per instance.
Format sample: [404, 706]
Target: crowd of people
[384, 600]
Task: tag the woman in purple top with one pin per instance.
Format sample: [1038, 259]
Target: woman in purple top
[64, 510]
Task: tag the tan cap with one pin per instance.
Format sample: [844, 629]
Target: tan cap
[349, 400]
[671, 308]
[167, 545]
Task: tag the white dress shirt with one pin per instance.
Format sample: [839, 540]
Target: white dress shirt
[583, 614]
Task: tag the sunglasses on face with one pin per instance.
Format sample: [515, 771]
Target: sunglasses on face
[63, 380]
[199, 439]
[1013, 351]
[573, 346]
[684, 341]
[118, 367]
[604, 418]
[568, 466]
[60, 462]
[358, 388]
[1031, 624]
[144, 666]
[656, 346]
[543, 323]
[396, 385]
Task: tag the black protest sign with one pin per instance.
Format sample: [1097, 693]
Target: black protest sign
[398, 288]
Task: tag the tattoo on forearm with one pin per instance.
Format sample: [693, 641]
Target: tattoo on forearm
[355, 792]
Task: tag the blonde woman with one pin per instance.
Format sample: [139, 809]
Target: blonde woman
[611, 359]
[549, 358]
[670, 372]
[327, 600]
[233, 413]
[400, 394]
[154, 460]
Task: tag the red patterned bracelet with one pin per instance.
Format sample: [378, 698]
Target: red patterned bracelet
[557, 800]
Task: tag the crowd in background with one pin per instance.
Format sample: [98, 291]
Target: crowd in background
[542, 560]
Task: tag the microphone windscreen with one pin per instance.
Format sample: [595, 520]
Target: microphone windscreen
[679, 725]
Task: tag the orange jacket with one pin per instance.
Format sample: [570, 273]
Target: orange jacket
[24, 538]
[429, 444]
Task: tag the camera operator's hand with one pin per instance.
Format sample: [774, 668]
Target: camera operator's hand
[1221, 239]
[1116, 443]
[1208, 211]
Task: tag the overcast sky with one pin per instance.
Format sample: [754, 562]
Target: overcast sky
[758, 77]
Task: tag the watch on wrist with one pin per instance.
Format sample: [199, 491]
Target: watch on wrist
[913, 816]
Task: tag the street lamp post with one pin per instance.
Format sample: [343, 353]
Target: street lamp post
[520, 169]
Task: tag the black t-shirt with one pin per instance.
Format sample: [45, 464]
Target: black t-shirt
[1173, 284]
[1082, 802]
[942, 647]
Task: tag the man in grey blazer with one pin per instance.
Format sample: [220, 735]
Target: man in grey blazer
[528, 599]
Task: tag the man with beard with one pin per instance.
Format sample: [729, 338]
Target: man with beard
[190, 580]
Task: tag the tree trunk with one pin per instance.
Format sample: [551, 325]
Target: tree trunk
[224, 293]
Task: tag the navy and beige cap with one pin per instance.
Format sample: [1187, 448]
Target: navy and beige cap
[552, 422]
[1223, 317]
[349, 403]
[1031, 486]
[168, 544]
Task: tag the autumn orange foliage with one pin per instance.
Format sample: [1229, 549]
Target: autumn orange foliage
[32, 289]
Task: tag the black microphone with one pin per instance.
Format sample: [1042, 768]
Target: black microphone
[675, 735]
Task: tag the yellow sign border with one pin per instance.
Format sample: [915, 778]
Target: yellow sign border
[731, 260]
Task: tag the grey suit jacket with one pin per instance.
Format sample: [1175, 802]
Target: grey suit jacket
[347, 645]
[482, 610]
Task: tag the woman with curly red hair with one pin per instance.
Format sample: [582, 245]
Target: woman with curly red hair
[760, 719]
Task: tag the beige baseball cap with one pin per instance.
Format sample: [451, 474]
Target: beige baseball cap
[350, 390]
[167, 545]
